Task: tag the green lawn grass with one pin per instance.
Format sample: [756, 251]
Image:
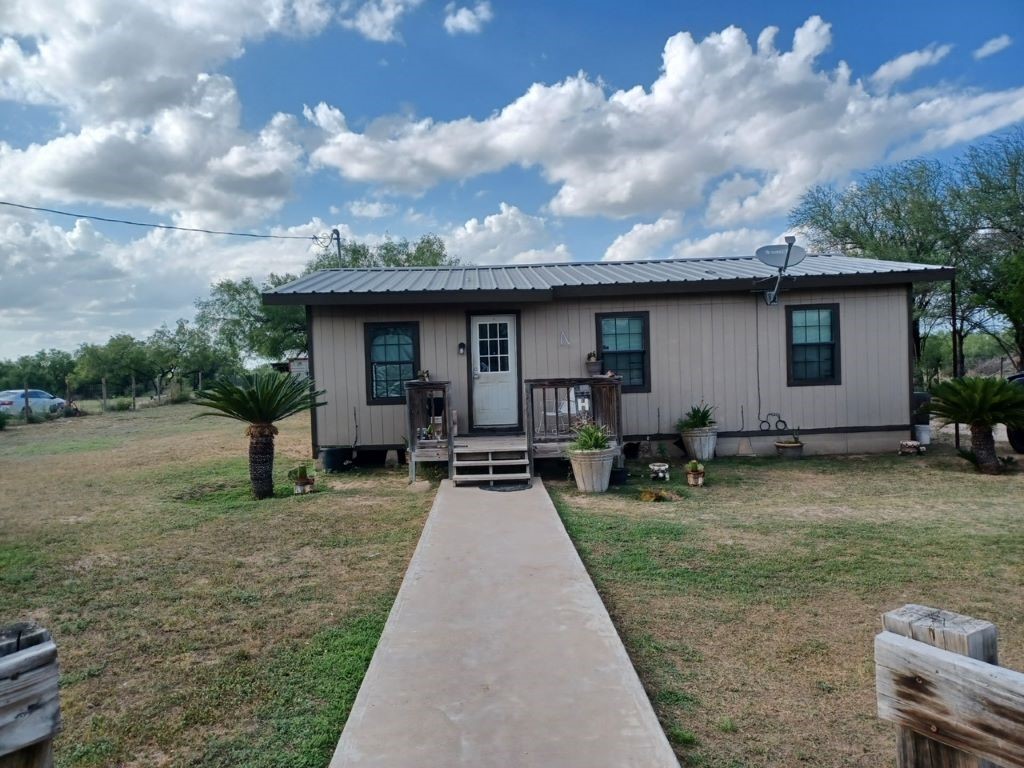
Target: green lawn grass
[749, 606]
[195, 626]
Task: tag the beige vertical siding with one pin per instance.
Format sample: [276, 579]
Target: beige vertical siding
[706, 348]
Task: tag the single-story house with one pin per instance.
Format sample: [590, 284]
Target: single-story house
[506, 350]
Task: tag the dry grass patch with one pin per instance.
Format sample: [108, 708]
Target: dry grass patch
[749, 606]
[196, 626]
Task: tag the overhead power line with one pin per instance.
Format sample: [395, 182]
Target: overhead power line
[314, 238]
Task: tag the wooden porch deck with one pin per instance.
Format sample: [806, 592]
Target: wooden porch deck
[552, 408]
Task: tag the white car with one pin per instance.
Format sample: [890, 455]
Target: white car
[13, 401]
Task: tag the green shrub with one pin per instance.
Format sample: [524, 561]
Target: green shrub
[180, 396]
[590, 437]
[698, 417]
[121, 404]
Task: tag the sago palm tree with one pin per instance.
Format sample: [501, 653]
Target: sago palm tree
[980, 403]
[268, 398]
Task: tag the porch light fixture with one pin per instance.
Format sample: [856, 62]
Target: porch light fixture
[462, 347]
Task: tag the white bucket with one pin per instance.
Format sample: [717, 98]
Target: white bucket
[923, 433]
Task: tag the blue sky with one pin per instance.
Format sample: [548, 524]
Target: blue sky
[516, 131]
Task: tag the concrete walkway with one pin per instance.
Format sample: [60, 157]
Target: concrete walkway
[499, 652]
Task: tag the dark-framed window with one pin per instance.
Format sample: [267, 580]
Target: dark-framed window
[624, 346]
[392, 353]
[812, 336]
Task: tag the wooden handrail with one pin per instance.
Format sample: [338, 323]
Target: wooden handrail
[564, 402]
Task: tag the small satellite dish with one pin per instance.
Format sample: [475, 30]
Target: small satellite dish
[780, 257]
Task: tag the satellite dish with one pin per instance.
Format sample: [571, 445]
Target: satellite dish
[780, 257]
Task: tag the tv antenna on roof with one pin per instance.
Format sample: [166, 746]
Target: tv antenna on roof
[782, 257]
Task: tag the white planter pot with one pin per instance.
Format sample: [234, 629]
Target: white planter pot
[700, 443]
[592, 469]
[923, 433]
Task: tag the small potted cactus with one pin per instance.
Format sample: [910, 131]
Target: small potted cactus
[790, 447]
[301, 480]
[695, 474]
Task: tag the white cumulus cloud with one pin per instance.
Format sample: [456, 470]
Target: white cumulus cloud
[192, 161]
[772, 122]
[377, 19]
[902, 67]
[371, 209]
[507, 237]
[643, 241]
[993, 46]
[465, 20]
[733, 242]
[104, 59]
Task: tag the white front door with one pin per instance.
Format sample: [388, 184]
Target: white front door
[495, 371]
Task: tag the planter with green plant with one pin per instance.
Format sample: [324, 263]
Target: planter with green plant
[981, 404]
[301, 479]
[593, 364]
[790, 447]
[694, 474]
[698, 431]
[592, 456]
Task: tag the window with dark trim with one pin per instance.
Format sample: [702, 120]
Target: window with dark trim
[624, 343]
[392, 358]
[812, 333]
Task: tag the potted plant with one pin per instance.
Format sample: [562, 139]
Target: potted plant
[699, 433]
[300, 479]
[591, 458]
[790, 447]
[593, 364]
[694, 474]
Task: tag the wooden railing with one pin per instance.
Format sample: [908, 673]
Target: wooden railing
[428, 419]
[554, 407]
[936, 677]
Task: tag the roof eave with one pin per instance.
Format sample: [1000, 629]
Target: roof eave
[725, 285]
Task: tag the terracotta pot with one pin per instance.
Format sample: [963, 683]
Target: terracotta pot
[695, 479]
[700, 443]
[592, 469]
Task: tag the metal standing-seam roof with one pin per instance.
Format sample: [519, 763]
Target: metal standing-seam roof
[547, 282]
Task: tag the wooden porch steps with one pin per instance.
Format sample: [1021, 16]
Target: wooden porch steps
[490, 460]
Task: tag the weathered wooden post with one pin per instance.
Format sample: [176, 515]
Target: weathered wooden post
[29, 704]
[103, 385]
[951, 632]
[133, 391]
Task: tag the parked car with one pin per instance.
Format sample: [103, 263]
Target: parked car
[1016, 436]
[13, 401]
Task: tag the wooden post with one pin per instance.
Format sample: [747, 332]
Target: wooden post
[133, 391]
[28, 408]
[952, 632]
[103, 389]
[29, 704]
